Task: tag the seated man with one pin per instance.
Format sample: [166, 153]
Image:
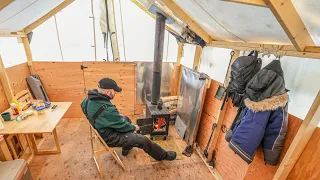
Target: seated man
[116, 130]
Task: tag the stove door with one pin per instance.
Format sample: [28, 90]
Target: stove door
[146, 126]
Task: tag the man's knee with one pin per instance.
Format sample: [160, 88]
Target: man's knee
[139, 140]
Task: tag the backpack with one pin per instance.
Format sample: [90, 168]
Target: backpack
[242, 71]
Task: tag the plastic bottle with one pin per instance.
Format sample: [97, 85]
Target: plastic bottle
[14, 109]
[18, 104]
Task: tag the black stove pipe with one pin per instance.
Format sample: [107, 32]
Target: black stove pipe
[158, 55]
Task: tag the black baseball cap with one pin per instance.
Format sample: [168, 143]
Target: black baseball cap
[107, 83]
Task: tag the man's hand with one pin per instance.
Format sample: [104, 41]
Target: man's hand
[137, 127]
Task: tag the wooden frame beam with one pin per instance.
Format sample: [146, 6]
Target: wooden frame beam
[4, 3]
[259, 3]
[27, 49]
[187, 19]
[287, 50]
[12, 34]
[300, 141]
[54, 11]
[197, 58]
[136, 2]
[176, 71]
[291, 23]
[5, 82]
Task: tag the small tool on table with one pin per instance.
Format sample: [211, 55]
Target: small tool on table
[26, 106]
[54, 107]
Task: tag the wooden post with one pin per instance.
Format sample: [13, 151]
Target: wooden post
[27, 49]
[197, 58]
[300, 141]
[5, 82]
[221, 113]
[176, 71]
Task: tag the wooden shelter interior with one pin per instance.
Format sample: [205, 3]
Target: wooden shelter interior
[285, 28]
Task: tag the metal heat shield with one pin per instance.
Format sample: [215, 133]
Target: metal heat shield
[144, 80]
[189, 104]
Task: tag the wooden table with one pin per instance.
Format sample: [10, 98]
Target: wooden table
[45, 123]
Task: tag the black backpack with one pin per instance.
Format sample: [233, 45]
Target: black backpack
[242, 71]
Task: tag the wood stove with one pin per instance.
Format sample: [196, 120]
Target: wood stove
[158, 116]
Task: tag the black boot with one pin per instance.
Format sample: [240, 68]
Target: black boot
[171, 155]
[125, 152]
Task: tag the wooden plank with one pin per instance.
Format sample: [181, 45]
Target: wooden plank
[27, 50]
[308, 163]
[5, 33]
[309, 52]
[259, 3]
[5, 82]
[291, 23]
[304, 134]
[5, 154]
[187, 19]
[47, 16]
[176, 71]
[4, 3]
[17, 76]
[197, 58]
[136, 2]
[63, 81]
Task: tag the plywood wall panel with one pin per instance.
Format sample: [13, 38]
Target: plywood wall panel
[209, 115]
[258, 168]
[229, 165]
[122, 73]
[63, 81]
[307, 166]
[17, 76]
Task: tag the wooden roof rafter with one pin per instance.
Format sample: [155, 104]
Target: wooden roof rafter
[289, 19]
[188, 20]
[259, 3]
[47, 16]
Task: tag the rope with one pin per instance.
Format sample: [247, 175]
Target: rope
[94, 32]
[124, 46]
[55, 21]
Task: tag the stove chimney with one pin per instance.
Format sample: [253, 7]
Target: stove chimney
[158, 55]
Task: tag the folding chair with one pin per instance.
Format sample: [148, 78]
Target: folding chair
[101, 147]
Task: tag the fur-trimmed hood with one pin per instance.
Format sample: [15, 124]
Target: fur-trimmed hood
[268, 104]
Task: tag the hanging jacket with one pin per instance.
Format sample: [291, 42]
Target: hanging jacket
[264, 119]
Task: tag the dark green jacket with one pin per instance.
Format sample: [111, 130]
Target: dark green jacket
[109, 118]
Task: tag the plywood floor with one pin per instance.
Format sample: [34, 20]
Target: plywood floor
[75, 161]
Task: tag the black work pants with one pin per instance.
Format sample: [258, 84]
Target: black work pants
[131, 139]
